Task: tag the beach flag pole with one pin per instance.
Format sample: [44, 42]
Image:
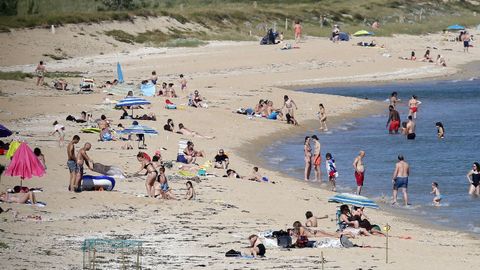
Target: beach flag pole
[387, 228]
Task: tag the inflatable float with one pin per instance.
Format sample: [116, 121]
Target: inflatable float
[91, 130]
[91, 182]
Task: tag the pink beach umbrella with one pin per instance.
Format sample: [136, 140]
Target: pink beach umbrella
[25, 164]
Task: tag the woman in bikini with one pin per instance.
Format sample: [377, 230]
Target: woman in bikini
[474, 178]
[322, 115]
[151, 172]
[18, 197]
[307, 149]
[413, 105]
[288, 104]
[349, 224]
[40, 71]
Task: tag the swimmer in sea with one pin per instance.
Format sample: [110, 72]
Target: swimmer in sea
[410, 129]
[394, 99]
[473, 177]
[440, 130]
[393, 120]
[413, 105]
[436, 191]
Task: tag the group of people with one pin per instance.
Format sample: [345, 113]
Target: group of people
[408, 127]
[439, 61]
[265, 109]
[167, 89]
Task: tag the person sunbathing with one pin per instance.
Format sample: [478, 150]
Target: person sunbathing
[60, 84]
[260, 107]
[232, 174]
[349, 224]
[255, 176]
[185, 131]
[169, 126]
[358, 215]
[257, 248]
[150, 117]
[191, 154]
[18, 197]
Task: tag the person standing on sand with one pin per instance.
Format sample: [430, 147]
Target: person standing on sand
[359, 168]
[288, 104]
[400, 179]
[297, 29]
[393, 120]
[466, 42]
[307, 149]
[72, 161]
[317, 159]
[410, 129]
[183, 83]
[322, 115]
[82, 158]
[40, 71]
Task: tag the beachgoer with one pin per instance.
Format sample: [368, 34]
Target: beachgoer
[317, 158]
[22, 197]
[440, 61]
[440, 130]
[410, 130]
[232, 174]
[312, 221]
[413, 105]
[169, 126]
[40, 156]
[412, 56]
[359, 168]
[183, 83]
[196, 100]
[288, 105]
[104, 126]
[255, 176]
[427, 57]
[185, 131]
[436, 192]
[82, 158]
[40, 72]
[358, 214]
[163, 90]
[400, 179]
[221, 160]
[260, 107]
[307, 150]
[473, 177]
[394, 99]
[257, 249]
[349, 224]
[297, 29]
[60, 129]
[72, 161]
[146, 164]
[154, 77]
[393, 122]
[190, 191]
[331, 171]
[170, 91]
[335, 33]
[466, 42]
[191, 154]
[160, 186]
[322, 116]
[303, 233]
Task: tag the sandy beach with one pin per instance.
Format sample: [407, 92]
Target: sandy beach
[196, 234]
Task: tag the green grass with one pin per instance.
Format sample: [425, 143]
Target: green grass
[3, 245]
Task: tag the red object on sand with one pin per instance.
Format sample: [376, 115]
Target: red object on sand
[168, 102]
[145, 155]
[25, 164]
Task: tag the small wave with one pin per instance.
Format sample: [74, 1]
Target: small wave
[473, 228]
[277, 159]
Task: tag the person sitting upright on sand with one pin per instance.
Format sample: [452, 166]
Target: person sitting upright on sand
[312, 221]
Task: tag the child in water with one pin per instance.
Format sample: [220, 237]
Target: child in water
[436, 191]
[331, 170]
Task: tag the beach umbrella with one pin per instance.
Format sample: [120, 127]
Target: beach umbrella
[138, 129]
[455, 27]
[119, 73]
[353, 199]
[131, 102]
[363, 33]
[25, 164]
[4, 132]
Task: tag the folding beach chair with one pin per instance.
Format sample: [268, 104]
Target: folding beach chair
[182, 144]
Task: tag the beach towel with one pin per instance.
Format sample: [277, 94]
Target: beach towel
[12, 149]
[113, 171]
[148, 89]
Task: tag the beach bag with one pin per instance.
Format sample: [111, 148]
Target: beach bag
[302, 242]
[346, 243]
[284, 241]
[233, 253]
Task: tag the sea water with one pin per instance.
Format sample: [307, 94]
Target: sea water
[446, 161]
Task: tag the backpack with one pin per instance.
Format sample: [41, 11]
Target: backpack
[233, 253]
[284, 241]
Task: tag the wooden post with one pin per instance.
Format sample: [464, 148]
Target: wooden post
[93, 261]
[139, 251]
[286, 24]
[387, 228]
[124, 267]
[323, 261]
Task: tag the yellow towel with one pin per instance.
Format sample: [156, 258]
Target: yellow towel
[12, 149]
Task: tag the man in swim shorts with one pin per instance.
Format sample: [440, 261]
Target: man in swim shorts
[72, 161]
[359, 168]
[317, 158]
[393, 120]
[400, 179]
[410, 129]
[82, 158]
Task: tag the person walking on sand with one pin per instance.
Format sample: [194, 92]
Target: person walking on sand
[410, 129]
[60, 129]
[359, 168]
[331, 171]
[474, 178]
[307, 150]
[322, 116]
[72, 161]
[183, 83]
[400, 179]
[82, 158]
[393, 122]
[297, 29]
[40, 72]
[466, 42]
[317, 159]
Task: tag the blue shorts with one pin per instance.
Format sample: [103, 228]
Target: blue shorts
[182, 159]
[72, 166]
[400, 182]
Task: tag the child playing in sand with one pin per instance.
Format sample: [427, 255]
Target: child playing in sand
[60, 129]
[331, 170]
[190, 191]
[436, 191]
[161, 186]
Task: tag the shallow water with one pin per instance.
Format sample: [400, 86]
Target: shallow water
[454, 103]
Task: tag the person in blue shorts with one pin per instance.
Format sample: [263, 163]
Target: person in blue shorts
[400, 179]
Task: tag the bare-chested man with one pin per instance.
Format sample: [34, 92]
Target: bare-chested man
[400, 179]
[413, 105]
[82, 158]
[394, 99]
[72, 161]
[317, 158]
[410, 129]
[359, 168]
[393, 120]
